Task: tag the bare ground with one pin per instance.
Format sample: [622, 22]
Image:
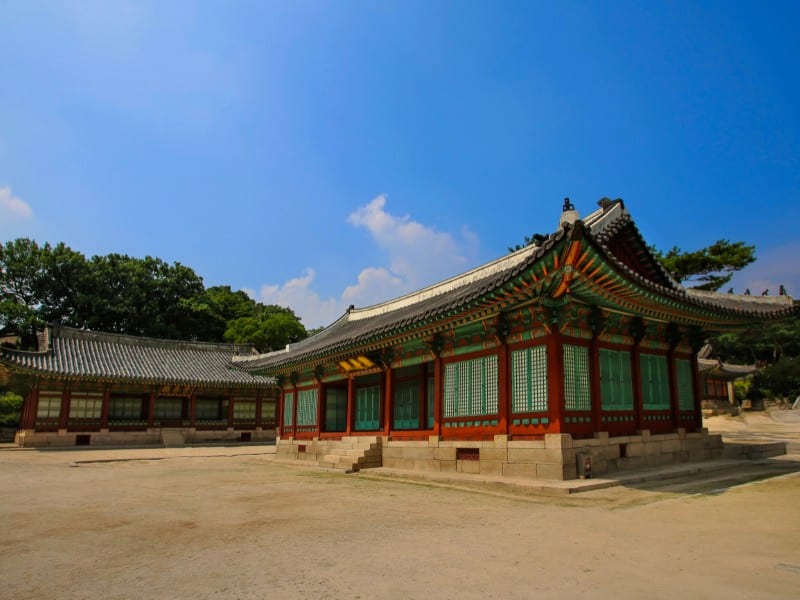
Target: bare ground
[190, 526]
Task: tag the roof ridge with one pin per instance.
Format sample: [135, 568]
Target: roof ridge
[495, 266]
[66, 332]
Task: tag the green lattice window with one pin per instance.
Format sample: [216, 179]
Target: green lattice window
[85, 406]
[208, 409]
[49, 405]
[616, 387]
[307, 407]
[288, 408]
[268, 409]
[336, 409]
[122, 408]
[470, 387]
[529, 380]
[655, 382]
[406, 405]
[368, 408]
[576, 378]
[168, 408]
[683, 370]
[244, 410]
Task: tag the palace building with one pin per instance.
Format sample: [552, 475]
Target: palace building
[89, 388]
[579, 350]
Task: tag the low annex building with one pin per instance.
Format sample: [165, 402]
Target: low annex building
[90, 388]
[578, 351]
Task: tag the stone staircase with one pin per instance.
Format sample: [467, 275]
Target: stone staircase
[347, 455]
[172, 439]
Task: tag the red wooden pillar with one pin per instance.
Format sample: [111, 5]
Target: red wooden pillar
[595, 387]
[193, 409]
[636, 380]
[388, 404]
[351, 401]
[696, 391]
[63, 415]
[151, 410]
[504, 391]
[279, 411]
[555, 380]
[423, 397]
[104, 409]
[29, 408]
[438, 392]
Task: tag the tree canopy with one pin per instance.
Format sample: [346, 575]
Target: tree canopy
[138, 296]
[708, 268]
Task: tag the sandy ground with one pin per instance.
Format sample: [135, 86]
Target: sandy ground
[234, 524]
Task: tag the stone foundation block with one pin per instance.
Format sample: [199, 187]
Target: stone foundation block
[426, 465]
[392, 452]
[468, 466]
[444, 453]
[525, 444]
[418, 453]
[535, 455]
[491, 467]
[557, 440]
[635, 449]
[611, 451]
[501, 441]
[670, 445]
[433, 441]
[448, 466]
[494, 454]
[519, 470]
[545, 471]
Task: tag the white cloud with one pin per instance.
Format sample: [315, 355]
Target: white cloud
[304, 301]
[12, 207]
[774, 267]
[418, 255]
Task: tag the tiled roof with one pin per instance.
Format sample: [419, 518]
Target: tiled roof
[82, 354]
[717, 368]
[448, 297]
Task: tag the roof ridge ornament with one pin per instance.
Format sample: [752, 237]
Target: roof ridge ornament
[568, 214]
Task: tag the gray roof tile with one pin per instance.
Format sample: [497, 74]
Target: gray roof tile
[93, 355]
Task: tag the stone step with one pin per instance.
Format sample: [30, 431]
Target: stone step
[172, 439]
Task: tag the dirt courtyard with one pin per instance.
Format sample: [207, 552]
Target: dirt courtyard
[244, 527]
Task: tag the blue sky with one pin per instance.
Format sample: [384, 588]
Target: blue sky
[321, 154]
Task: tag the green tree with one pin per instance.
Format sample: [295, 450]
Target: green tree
[780, 380]
[218, 306]
[38, 285]
[708, 268]
[142, 297]
[10, 408]
[536, 239]
[271, 329]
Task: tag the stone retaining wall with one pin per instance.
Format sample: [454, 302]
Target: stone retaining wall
[151, 437]
[554, 457]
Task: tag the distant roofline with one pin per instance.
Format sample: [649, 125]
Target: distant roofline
[65, 331]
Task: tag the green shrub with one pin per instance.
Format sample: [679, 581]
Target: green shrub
[10, 408]
[781, 380]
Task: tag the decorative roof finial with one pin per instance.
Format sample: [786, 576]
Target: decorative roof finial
[568, 214]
